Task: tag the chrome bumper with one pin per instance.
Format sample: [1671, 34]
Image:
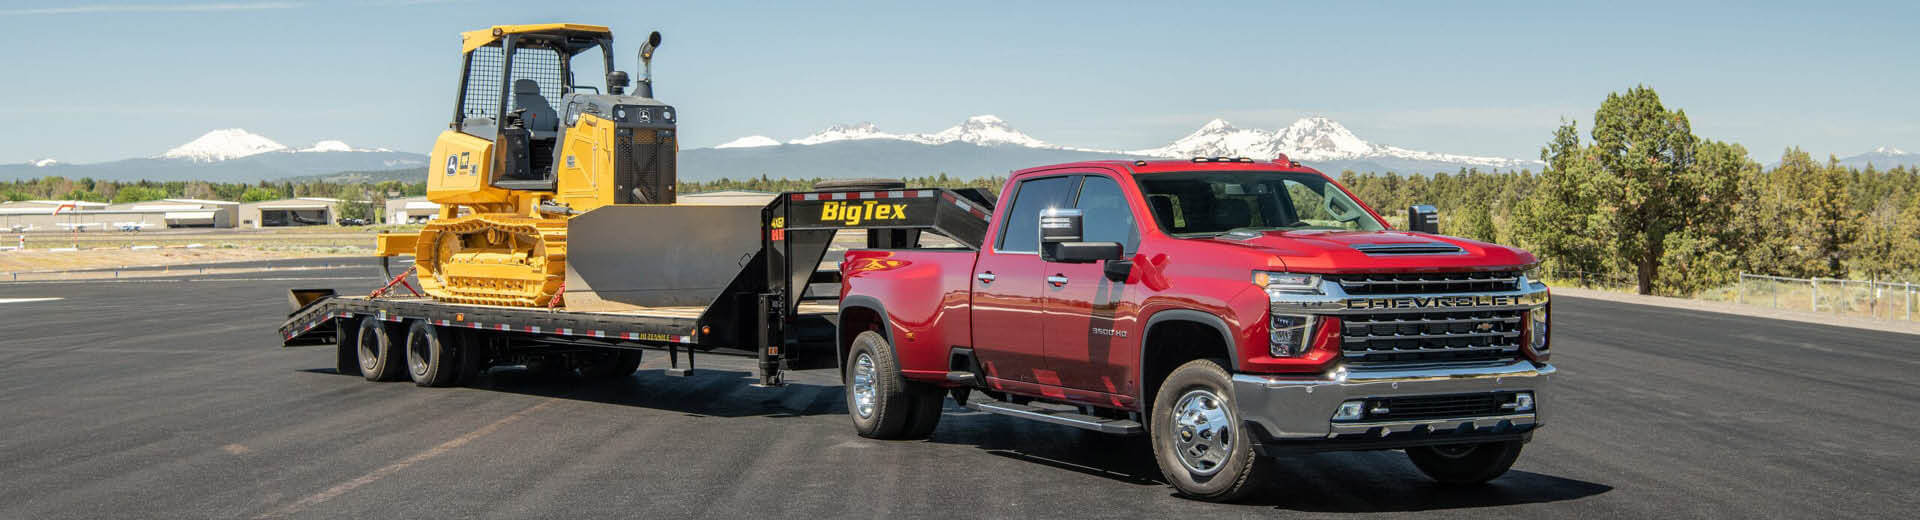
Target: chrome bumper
[1302, 407]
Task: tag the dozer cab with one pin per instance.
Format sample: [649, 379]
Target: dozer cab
[531, 146]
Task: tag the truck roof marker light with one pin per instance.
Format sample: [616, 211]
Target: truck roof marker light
[1139, 163]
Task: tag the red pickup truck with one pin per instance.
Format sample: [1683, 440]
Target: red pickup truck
[1230, 309]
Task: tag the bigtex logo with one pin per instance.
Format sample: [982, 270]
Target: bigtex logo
[853, 213]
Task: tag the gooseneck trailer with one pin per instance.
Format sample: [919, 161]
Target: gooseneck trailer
[729, 280]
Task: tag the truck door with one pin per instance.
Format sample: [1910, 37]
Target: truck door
[1007, 297]
[1089, 327]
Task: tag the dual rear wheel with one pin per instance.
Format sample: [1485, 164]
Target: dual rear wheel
[883, 404]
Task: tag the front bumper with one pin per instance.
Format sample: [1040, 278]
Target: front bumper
[1300, 408]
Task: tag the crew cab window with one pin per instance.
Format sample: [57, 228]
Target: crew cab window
[1212, 203]
[1106, 216]
[1020, 232]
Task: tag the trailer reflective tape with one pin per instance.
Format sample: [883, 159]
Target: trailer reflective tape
[533, 329]
[683, 339]
[629, 335]
[565, 331]
[599, 333]
[442, 323]
[504, 327]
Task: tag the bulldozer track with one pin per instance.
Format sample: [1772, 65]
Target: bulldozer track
[493, 259]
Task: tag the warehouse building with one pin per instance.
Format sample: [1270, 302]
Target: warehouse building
[302, 211]
[73, 215]
[411, 210]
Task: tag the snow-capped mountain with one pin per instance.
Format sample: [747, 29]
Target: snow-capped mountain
[224, 144]
[1310, 139]
[751, 141]
[853, 132]
[1883, 158]
[229, 155]
[1316, 140]
[982, 130]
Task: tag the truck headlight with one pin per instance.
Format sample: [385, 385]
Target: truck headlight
[1289, 335]
[1283, 283]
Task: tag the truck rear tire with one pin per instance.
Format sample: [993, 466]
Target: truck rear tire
[346, 348]
[1198, 440]
[431, 359]
[379, 361]
[879, 400]
[927, 403]
[1465, 464]
[615, 365]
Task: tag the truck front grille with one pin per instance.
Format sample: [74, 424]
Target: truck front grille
[1439, 406]
[1426, 283]
[1433, 337]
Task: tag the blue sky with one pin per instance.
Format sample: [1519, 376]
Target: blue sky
[93, 81]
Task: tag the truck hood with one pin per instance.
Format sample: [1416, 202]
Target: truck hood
[1328, 251]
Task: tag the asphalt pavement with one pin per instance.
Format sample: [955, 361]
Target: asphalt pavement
[170, 397]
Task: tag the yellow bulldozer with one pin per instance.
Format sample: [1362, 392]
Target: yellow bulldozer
[532, 146]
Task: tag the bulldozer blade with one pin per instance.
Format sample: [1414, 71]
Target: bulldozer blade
[625, 256]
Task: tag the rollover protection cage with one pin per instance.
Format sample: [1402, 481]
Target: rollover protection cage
[693, 278]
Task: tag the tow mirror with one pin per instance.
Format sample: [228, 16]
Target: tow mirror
[1060, 239]
[1423, 218]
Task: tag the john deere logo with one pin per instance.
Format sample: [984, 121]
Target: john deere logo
[453, 163]
[854, 213]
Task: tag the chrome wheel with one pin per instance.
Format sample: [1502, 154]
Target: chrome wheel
[418, 352]
[863, 385]
[1202, 431]
[369, 351]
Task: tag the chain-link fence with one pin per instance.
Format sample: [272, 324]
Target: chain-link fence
[1856, 298]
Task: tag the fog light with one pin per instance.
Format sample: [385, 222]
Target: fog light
[1523, 402]
[1353, 410]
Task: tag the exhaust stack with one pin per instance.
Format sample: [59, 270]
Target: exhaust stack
[645, 87]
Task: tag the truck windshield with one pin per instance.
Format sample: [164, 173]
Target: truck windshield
[1213, 203]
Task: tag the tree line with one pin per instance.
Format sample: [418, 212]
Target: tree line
[1638, 196]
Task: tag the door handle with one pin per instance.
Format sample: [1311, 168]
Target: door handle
[986, 277]
[1057, 280]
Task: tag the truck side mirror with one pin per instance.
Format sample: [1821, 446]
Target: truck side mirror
[1060, 239]
[1423, 218]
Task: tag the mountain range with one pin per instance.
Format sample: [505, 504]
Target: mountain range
[981, 145]
[227, 155]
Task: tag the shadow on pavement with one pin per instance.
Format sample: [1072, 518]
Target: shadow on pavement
[707, 392]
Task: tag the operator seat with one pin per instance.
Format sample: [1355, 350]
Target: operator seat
[541, 120]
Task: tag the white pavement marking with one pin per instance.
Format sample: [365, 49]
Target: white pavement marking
[27, 300]
[390, 469]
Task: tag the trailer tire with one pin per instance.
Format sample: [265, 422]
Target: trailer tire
[877, 396]
[374, 349]
[346, 350]
[472, 358]
[1199, 442]
[431, 359]
[616, 365]
[1470, 464]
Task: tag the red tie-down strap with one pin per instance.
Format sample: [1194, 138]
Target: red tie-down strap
[400, 280]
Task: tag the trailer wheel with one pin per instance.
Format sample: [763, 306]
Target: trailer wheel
[877, 397]
[431, 361]
[374, 348]
[614, 365]
[1466, 464]
[1198, 440]
[346, 347]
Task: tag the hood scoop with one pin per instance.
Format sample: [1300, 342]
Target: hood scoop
[1409, 248]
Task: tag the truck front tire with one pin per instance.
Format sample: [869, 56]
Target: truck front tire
[379, 361]
[883, 404]
[431, 361]
[1466, 464]
[1202, 447]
